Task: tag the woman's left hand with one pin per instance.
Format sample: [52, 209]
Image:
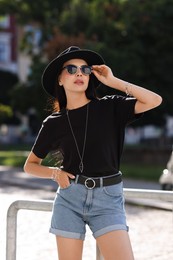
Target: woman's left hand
[103, 73]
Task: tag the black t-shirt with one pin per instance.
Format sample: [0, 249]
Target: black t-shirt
[107, 119]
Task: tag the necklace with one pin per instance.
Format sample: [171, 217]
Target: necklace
[81, 165]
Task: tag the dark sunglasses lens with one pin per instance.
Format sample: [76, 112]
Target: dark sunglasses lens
[71, 69]
[86, 70]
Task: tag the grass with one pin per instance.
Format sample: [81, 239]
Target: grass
[131, 170]
[18, 158]
[16, 147]
[142, 171]
[13, 158]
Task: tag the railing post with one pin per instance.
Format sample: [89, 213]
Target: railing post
[149, 194]
[98, 254]
[11, 235]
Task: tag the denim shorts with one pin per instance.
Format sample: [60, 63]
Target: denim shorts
[102, 209]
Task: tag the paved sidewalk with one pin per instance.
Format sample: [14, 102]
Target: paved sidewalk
[150, 229]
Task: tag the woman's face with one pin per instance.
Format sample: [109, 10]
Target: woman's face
[77, 82]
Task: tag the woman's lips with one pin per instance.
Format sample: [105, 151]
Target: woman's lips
[79, 82]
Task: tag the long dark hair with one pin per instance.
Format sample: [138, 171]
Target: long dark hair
[60, 101]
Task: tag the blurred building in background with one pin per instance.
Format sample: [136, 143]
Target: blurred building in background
[12, 59]
[8, 44]
[16, 61]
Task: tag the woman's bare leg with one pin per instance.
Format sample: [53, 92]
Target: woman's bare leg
[69, 249]
[115, 245]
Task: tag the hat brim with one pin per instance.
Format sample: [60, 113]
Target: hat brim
[50, 73]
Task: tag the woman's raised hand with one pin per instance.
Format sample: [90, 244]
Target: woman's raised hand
[103, 73]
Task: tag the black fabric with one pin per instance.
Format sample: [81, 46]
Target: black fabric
[107, 120]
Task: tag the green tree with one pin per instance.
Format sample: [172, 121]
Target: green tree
[7, 81]
[30, 94]
[136, 43]
[134, 36]
[5, 113]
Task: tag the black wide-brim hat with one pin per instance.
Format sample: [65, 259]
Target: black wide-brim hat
[50, 73]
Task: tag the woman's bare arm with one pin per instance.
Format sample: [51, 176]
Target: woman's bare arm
[146, 99]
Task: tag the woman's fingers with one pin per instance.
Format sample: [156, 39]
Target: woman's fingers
[102, 72]
[63, 179]
[98, 69]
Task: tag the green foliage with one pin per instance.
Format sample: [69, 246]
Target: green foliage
[30, 10]
[7, 81]
[134, 36]
[30, 94]
[17, 158]
[143, 172]
[5, 112]
[10, 159]
[137, 43]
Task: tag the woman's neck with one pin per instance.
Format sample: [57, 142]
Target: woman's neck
[73, 103]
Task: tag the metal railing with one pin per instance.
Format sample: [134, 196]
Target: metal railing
[46, 205]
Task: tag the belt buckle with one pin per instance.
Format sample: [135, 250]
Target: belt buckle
[93, 183]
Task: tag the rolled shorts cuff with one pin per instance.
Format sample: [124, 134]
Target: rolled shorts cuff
[67, 234]
[109, 229]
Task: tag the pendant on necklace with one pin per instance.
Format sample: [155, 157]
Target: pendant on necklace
[81, 167]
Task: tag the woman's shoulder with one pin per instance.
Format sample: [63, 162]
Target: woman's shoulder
[53, 118]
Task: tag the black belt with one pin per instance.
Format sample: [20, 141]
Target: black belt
[95, 182]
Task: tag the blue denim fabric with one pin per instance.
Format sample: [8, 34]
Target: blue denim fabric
[101, 208]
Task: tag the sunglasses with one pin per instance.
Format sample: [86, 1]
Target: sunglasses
[72, 69]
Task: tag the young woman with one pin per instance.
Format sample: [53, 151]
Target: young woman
[89, 132]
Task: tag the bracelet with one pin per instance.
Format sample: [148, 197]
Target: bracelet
[55, 173]
[128, 89]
